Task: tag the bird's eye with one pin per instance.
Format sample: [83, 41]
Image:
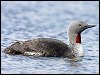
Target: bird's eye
[80, 25]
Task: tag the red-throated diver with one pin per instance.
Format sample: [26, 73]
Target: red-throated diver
[53, 47]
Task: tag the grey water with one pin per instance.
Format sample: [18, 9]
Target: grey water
[24, 20]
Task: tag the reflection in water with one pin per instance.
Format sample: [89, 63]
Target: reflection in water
[73, 62]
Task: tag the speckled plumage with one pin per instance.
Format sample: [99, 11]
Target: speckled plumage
[46, 46]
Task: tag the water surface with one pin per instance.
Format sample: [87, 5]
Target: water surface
[35, 19]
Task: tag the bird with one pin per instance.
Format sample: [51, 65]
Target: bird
[49, 47]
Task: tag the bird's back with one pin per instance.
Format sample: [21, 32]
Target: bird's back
[38, 47]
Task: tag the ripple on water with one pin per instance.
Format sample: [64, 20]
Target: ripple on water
[50, 21]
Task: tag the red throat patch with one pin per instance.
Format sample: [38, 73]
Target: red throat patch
[78, 38]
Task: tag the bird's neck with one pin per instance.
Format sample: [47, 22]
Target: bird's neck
[78, 38]
[74, 39]
[75, 44]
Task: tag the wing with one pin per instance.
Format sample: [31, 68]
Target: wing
[38, 47]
